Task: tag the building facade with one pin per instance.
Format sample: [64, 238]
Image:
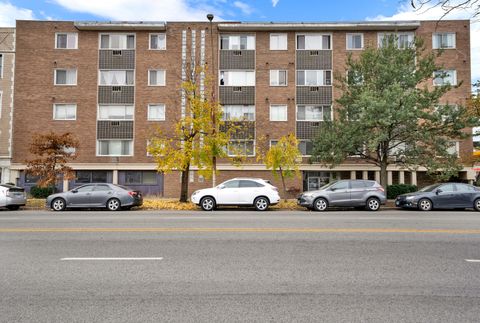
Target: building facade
[113, 84]
[7, 69]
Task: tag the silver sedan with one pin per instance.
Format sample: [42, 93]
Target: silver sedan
[110, 196]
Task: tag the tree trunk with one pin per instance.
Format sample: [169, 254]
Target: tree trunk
[383, 175]
[214, 171]
[283, 183]
[184, 187]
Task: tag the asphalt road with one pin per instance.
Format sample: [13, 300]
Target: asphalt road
[238, 265]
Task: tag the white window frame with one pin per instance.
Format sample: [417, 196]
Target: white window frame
[131, 145]
[273, 140]
[354, 34]
[150, 41]
[314, 105]
[64, 69]
[397, 34]
[314, 34]
[146, 148]
[100, 73]
[323, 77]
[164, 77]
[251, 106]
[66, 33]
[109, 105]
[277, 72]
[236, 35]
[443, 80]
[109, 48]
[152, 105]
[441, 34]
[60, 104]
[304, 140]
[242, 140]
[229, 71]
[279, 35]
[279, 105]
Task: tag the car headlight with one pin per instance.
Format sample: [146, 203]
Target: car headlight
[307, 194]
[195, 193]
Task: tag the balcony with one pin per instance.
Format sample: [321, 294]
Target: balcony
[123, 59]
[314, 95]
[114, 129]
[237, 95]
[116, 94]
[237, 59]
[314, 60]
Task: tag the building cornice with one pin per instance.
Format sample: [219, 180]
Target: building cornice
[301, 26]
[121, 25]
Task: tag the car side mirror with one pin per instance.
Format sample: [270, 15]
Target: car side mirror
[74, 191]
[438, 191]
[221, 187]
[333, 189]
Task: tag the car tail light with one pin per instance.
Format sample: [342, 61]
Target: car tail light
[132, 193]
[381, 189]
[8, 193]
[275, 188]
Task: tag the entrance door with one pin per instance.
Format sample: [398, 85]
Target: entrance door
[313, 183]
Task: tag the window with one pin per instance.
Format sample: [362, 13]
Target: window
[85, 176]
[1, 66]
[453, 148]
[115, 147]
[141, 178]
[237, 78]
[156, 112]
[66, 40]
[443, 40]
[403, 40]
[354, 78]
[116, 77]
[85, 188]
[115, 112]
[241, 148]
[354, 41]
[69, 150]
[65, 77]
[465, 188]
[238, 113]
[342, 185]
[102, 188]
[445, 77]
[273, 142]
[278, 113]
[158, 41]
[156, 77]
[231, 184]
[305, 147]
[314, 113]
[278, 41]
[447, 188]
[117, 41]
[313, 41]
[236, 42]
[64, 111]
[314, 78]
[278, 78]
[245, 184]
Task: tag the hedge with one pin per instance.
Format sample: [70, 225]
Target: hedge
[41, 192]
[397, 189]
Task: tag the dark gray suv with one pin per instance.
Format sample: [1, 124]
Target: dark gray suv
[352, 193]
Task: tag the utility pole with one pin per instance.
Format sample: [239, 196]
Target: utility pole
[214, 112]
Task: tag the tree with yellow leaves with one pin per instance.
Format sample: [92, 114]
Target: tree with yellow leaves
[282, 159]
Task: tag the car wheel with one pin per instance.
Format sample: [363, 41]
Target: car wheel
[58, 204]
[476, 205]
[113, 204]
[261, 203]
[320, 204]
[13, 207]
[207, 203]
[373, 204]
[425, 205]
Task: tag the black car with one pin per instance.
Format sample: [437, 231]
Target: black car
[442, 196]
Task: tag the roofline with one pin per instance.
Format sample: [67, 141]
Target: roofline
[120, 25]
[301, 26]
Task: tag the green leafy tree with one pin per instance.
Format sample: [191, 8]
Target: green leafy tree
[53, 152]
[282, 158]
[389, 113]
[194, 139]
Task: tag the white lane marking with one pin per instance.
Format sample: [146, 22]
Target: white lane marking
[121, 258]
[472, 260]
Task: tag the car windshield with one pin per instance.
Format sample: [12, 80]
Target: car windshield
[430, 188]
[327, 185]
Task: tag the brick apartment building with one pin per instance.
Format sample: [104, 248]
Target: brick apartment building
[112, 84]
[7, 67]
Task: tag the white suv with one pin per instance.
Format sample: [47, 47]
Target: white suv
[255, 192]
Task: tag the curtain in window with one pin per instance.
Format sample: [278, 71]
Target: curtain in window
[61, 41]
[71, 40]
[153, 78]
[71, 76]
[116, 77]
[153, 41]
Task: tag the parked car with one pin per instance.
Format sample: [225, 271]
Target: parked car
[240, 192]
[110, 196]
[12, 197]
[441, 196]
[345, 193]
